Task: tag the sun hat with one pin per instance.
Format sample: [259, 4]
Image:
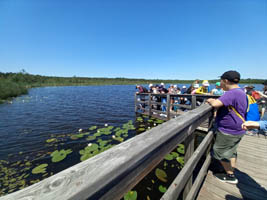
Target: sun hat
[218, 84]
[232, 76]
[150, 85]
[162, 84]
[175, 86]
[205, 83]
[184, 86]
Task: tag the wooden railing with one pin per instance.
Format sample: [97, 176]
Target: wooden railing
[109, 175]
[144, 102]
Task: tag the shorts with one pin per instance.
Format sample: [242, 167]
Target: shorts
[225, 146]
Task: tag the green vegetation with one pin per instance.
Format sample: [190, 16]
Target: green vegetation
[15, 84]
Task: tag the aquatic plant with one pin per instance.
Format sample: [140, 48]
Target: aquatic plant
[180, 160]
[40, 169]
[91, 137]
[141, 129]
[92, 128]
[168, 157]
[89, 151]
[180, 148]
[161, 175]
[131, 195]
[58, 156]
[51, 140]
[162, 189]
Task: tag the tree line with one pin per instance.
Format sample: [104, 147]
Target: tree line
[15, 84]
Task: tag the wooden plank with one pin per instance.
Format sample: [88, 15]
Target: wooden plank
[168, 106]
[189, 150]
[250, 159]
[258, 155]
[149, 105]
[203, 171]
[109, 175]
[240, 190]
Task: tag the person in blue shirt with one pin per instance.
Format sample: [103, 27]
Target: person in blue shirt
[262, 125]
[218, 90]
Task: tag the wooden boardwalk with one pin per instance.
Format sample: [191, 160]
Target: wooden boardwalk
[251, 173]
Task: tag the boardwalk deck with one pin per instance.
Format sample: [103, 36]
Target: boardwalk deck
[251, 173]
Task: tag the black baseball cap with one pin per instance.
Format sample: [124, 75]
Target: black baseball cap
[265, 82]
[232, 76]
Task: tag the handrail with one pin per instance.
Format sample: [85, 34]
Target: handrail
[149, 103]
[109, 175]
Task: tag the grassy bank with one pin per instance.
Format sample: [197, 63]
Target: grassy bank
[15, 84]
[10, 89]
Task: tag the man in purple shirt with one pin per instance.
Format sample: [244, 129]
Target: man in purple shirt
[229, 125]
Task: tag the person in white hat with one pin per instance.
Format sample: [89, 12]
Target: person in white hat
[196, 86]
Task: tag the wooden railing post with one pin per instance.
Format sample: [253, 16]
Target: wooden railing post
[189, 150]
[168, 106]
[149, 105]
[135, 102]
[193, 102]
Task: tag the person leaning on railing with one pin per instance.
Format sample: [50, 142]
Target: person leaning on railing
[229, 131]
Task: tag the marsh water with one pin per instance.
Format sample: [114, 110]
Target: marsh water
[40, 134]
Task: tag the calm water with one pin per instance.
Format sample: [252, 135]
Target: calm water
[32, 118]
[59, 112]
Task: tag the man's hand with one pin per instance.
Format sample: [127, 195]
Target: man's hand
[216, 103]
[250, 125]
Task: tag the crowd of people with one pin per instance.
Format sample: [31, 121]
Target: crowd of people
[194, 88]
[231, 112]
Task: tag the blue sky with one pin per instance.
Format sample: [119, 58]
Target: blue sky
[171, 39]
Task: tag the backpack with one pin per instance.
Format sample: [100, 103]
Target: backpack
[256, 95]
[252, 113]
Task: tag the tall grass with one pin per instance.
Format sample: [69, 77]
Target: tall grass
[10, 89]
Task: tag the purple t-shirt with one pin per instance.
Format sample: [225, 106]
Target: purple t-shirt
[227, 120]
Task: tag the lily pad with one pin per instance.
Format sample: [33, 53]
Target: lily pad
[40, 169]
[141, 129]
[92, 128]
[180, 149]
[168, 157]
[180, 160]
[51, 140]
[159, 121]
[58, 156]
[161, 175]
[139, 119]
[80, 135]
[74, 137]
[162, 189]
[89, 151]
[174, 154]
[131, 195]
[91, 137]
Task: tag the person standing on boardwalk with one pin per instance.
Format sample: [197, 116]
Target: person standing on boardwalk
[229, 130]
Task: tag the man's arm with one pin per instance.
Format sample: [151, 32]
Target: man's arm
[263, 95]
[216, 103]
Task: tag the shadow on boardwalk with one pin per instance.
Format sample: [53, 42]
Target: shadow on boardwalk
[248, 188]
